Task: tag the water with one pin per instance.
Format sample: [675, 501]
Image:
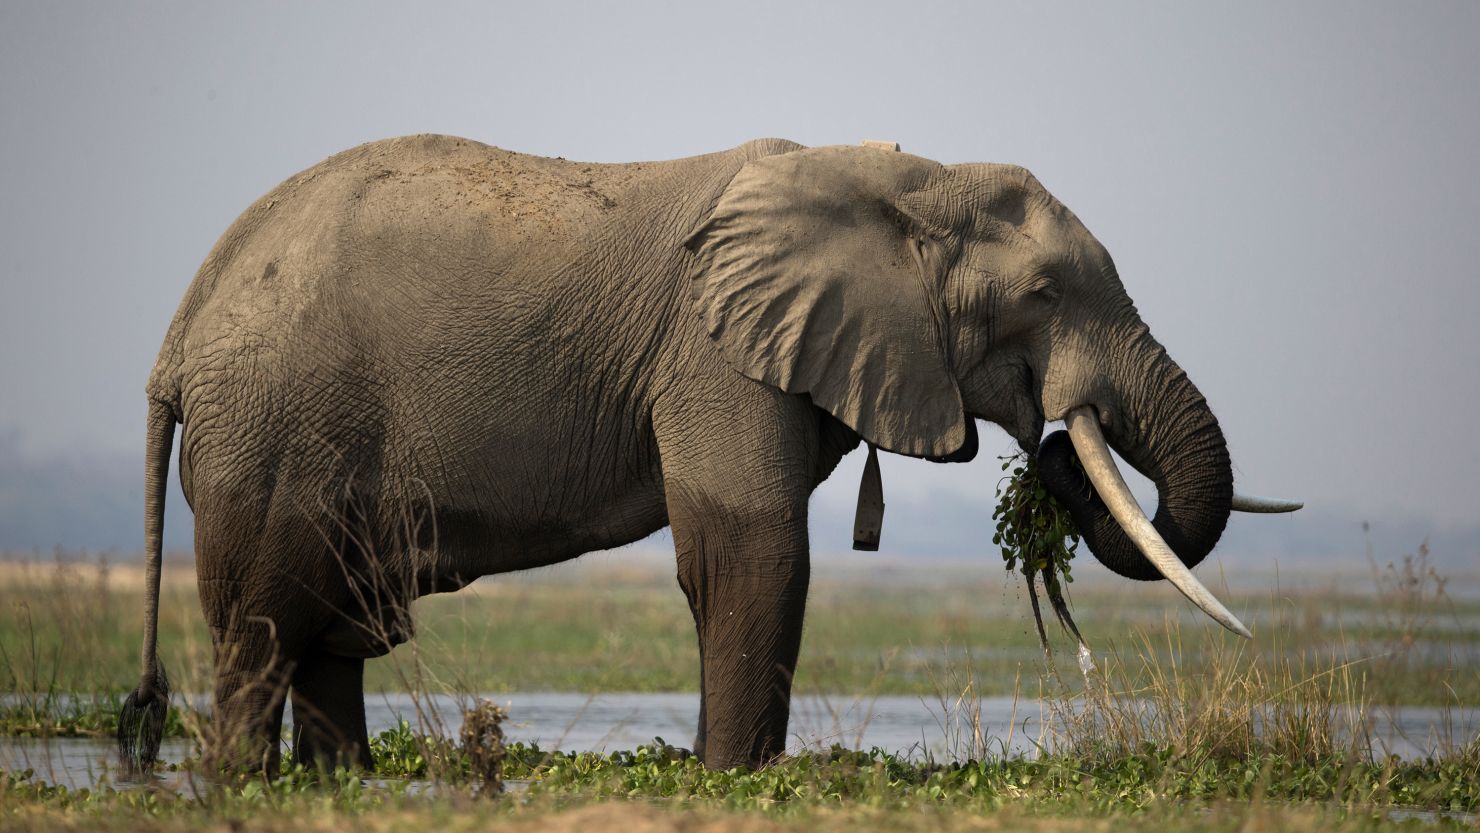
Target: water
[605, 722]
[913, 726]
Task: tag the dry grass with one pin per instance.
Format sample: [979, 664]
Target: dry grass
[1236, 704]
[1213, 696]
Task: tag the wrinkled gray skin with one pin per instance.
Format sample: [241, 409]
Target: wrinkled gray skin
[427, 360]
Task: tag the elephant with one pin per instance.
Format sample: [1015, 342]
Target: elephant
[426, 360]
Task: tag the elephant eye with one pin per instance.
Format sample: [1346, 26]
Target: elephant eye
[1044, 289]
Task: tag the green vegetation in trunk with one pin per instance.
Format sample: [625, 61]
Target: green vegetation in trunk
[1038, 538]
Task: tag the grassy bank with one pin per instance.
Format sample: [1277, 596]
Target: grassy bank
[1178, 726]
[656, 788]
[611, 625]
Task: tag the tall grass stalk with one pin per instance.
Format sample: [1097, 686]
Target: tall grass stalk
[1235, 703]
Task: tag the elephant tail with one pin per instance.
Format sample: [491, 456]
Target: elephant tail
[141, 721]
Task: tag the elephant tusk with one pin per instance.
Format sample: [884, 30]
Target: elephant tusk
[1265, 505]
[1089, 443]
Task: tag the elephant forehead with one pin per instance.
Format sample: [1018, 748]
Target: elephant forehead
[994, 201]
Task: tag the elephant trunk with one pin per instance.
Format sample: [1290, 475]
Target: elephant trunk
[1168, 433]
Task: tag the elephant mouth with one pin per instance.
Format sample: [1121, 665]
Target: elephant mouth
[1018, 412]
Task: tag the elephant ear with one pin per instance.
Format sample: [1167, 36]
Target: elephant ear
[811, 278]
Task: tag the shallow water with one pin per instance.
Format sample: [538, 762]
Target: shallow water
[913, 726]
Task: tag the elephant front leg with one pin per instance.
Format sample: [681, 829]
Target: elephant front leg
[739, 463]
[745, 574]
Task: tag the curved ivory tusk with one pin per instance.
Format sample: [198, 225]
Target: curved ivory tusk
[1089, 443]
[1250, 503]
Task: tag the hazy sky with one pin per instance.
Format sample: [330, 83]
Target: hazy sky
[1290, 191]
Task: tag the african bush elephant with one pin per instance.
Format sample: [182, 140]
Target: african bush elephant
[431, 360]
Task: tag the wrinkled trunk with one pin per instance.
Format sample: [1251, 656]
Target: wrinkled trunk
[1168, 433]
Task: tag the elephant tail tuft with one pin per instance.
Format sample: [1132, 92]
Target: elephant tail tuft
[141, 722]
[142, 718]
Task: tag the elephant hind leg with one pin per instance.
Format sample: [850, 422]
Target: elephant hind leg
[262, 573]
[329, 711]
[251, 681]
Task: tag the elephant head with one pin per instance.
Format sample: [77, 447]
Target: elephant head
[908, 298]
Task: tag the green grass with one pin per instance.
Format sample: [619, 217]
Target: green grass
[1129, 780]
[563, 629]
[657, 788]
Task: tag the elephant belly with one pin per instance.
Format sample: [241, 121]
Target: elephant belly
[507, 520]
[474, 544]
